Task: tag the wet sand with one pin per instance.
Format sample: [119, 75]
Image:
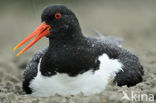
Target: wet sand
[135, 22]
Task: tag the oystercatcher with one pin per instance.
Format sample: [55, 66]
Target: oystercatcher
[74, 63]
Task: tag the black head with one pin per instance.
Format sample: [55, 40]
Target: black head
[62, 20]
[58, 23]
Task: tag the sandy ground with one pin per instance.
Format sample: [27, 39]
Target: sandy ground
[135, 22]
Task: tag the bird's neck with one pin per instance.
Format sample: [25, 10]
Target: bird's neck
[72, 34]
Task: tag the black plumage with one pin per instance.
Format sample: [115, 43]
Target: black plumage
[71, 52]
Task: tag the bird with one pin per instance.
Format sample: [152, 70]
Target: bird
[74, 63]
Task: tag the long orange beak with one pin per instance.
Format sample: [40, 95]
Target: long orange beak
[41, 31]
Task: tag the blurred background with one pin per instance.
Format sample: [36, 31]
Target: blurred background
[133, 20]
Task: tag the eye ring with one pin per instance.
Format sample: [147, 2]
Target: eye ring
[58, 15]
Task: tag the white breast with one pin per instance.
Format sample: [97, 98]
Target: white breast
[88, 83]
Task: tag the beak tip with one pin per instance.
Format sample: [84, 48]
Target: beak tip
[17, 55]
[14, 49]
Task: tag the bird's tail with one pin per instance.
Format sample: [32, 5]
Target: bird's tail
[112, 39]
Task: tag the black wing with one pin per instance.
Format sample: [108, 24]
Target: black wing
[132, 69]
[31, 70]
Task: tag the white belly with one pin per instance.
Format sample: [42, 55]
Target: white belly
[88, 83]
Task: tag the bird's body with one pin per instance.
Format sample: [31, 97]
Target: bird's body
[88, 82]
[74, 63]
[76, 68]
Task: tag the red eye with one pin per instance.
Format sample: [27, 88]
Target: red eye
[58, 15]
